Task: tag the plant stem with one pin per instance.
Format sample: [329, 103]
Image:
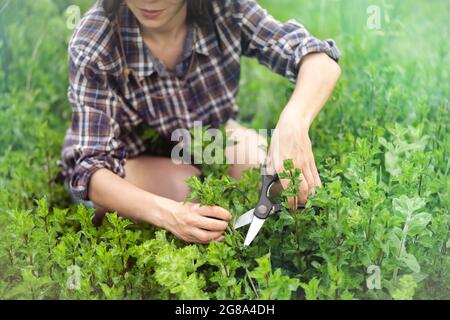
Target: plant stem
[251, 282]
[420, 185]
[402, 245]
[227, 273]
[297, 235]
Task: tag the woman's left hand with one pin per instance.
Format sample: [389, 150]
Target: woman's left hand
[290, 140]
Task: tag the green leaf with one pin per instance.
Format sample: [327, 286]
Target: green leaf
[273, 285]
[288, 165]
[311, 289]
[407, 206]
[405, 289]
[418, 223]
[346, 295]
[392, 164]
[411, 262]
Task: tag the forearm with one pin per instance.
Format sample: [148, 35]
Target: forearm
[116, 194]
[317, 78]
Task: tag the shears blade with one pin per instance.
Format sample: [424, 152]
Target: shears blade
[245, 219]
[254, 229]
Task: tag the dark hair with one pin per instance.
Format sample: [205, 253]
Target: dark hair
[198, 11]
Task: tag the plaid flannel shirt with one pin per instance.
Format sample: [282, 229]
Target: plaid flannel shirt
[109, 109]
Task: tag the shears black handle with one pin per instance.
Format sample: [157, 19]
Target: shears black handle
[265, 206]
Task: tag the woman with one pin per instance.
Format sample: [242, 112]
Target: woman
[166, 64]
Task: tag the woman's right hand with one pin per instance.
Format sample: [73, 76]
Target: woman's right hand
[197, 224]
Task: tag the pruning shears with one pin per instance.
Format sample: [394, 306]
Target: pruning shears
[258, 215]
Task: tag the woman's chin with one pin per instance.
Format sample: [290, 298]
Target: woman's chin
[152, 24]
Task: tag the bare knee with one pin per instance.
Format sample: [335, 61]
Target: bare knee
[180, 187]
[160, 176]
[249, 152]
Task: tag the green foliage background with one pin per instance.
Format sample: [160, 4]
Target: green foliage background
[381, 144]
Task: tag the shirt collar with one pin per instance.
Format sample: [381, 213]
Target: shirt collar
[139, 58]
